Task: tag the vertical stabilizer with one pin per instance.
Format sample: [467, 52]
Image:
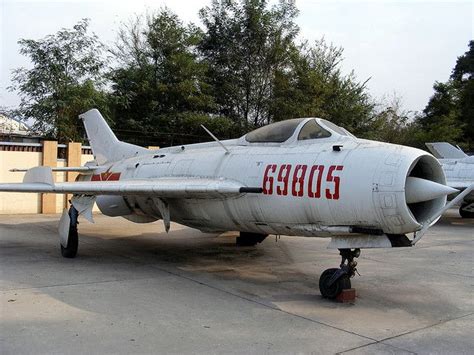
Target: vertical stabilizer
[105, 145]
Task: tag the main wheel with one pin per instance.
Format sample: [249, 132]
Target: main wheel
[249, 239]
[464, 213]
[332, 291]
[72, 243]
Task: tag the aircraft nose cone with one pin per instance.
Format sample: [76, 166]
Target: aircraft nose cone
[419, 190]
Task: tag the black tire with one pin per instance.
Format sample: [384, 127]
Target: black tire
[336, 288]
[249, 239]
[72, 243]
[464, 213]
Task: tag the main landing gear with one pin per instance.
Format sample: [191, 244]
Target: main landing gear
[249, 239]
[70, 250]
[466, 211]
[333, 281]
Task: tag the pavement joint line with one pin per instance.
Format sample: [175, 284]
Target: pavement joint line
[426, 327]
[382, 341]
[75, 284]
[255, 301]
[375, 343]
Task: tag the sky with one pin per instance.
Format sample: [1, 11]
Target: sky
[403, 46]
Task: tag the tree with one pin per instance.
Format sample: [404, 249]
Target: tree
[313, 85]
[449, 114]
[463, 80]
[63, 82]
[245, 43]
[160, 83]
[391, 123]
[439, 121]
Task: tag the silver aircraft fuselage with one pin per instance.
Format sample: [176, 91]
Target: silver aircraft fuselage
[310, 188]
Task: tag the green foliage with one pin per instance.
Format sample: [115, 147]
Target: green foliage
[245, 68]
[222, 127]
[160, 79]
[463, 79]
[62, 83]
[449, 115]
[314, 86]
[244, 44]
[390, 123]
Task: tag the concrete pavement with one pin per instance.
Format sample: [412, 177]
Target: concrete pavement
[135, 289]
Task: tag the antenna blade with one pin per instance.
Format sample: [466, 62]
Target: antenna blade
[215, 138]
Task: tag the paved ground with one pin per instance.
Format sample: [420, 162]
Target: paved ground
[134, 289]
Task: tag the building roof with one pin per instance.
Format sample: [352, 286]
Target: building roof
[10, 125]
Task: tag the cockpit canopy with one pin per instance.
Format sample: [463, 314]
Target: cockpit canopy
[298, 129]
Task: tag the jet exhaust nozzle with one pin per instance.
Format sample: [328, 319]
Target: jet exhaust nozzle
[419, 190]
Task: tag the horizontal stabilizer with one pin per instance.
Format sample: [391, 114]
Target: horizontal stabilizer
[39, 175]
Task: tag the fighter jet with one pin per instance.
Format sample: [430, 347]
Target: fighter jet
[459, 170]
[301, 177]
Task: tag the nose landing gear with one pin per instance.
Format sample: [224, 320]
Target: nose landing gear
[333, 281]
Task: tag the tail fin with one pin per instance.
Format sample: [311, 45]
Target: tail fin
[444, 150]
[105, 145]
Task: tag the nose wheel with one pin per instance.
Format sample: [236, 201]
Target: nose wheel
[333, 281]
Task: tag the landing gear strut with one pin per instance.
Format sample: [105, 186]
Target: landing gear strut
[333, 281]
[70, 250]
[249, 239]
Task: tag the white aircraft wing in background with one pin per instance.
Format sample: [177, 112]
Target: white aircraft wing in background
[444, 150]
[459, 170]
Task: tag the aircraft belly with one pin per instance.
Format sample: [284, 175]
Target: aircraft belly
[202, 214]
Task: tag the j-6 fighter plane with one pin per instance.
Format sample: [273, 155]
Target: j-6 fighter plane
[302, 177]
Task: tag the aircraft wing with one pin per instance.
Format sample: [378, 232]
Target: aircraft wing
[40, 179]
[79, 169]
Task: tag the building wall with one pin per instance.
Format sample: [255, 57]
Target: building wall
[25, 156]
[11, 202]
